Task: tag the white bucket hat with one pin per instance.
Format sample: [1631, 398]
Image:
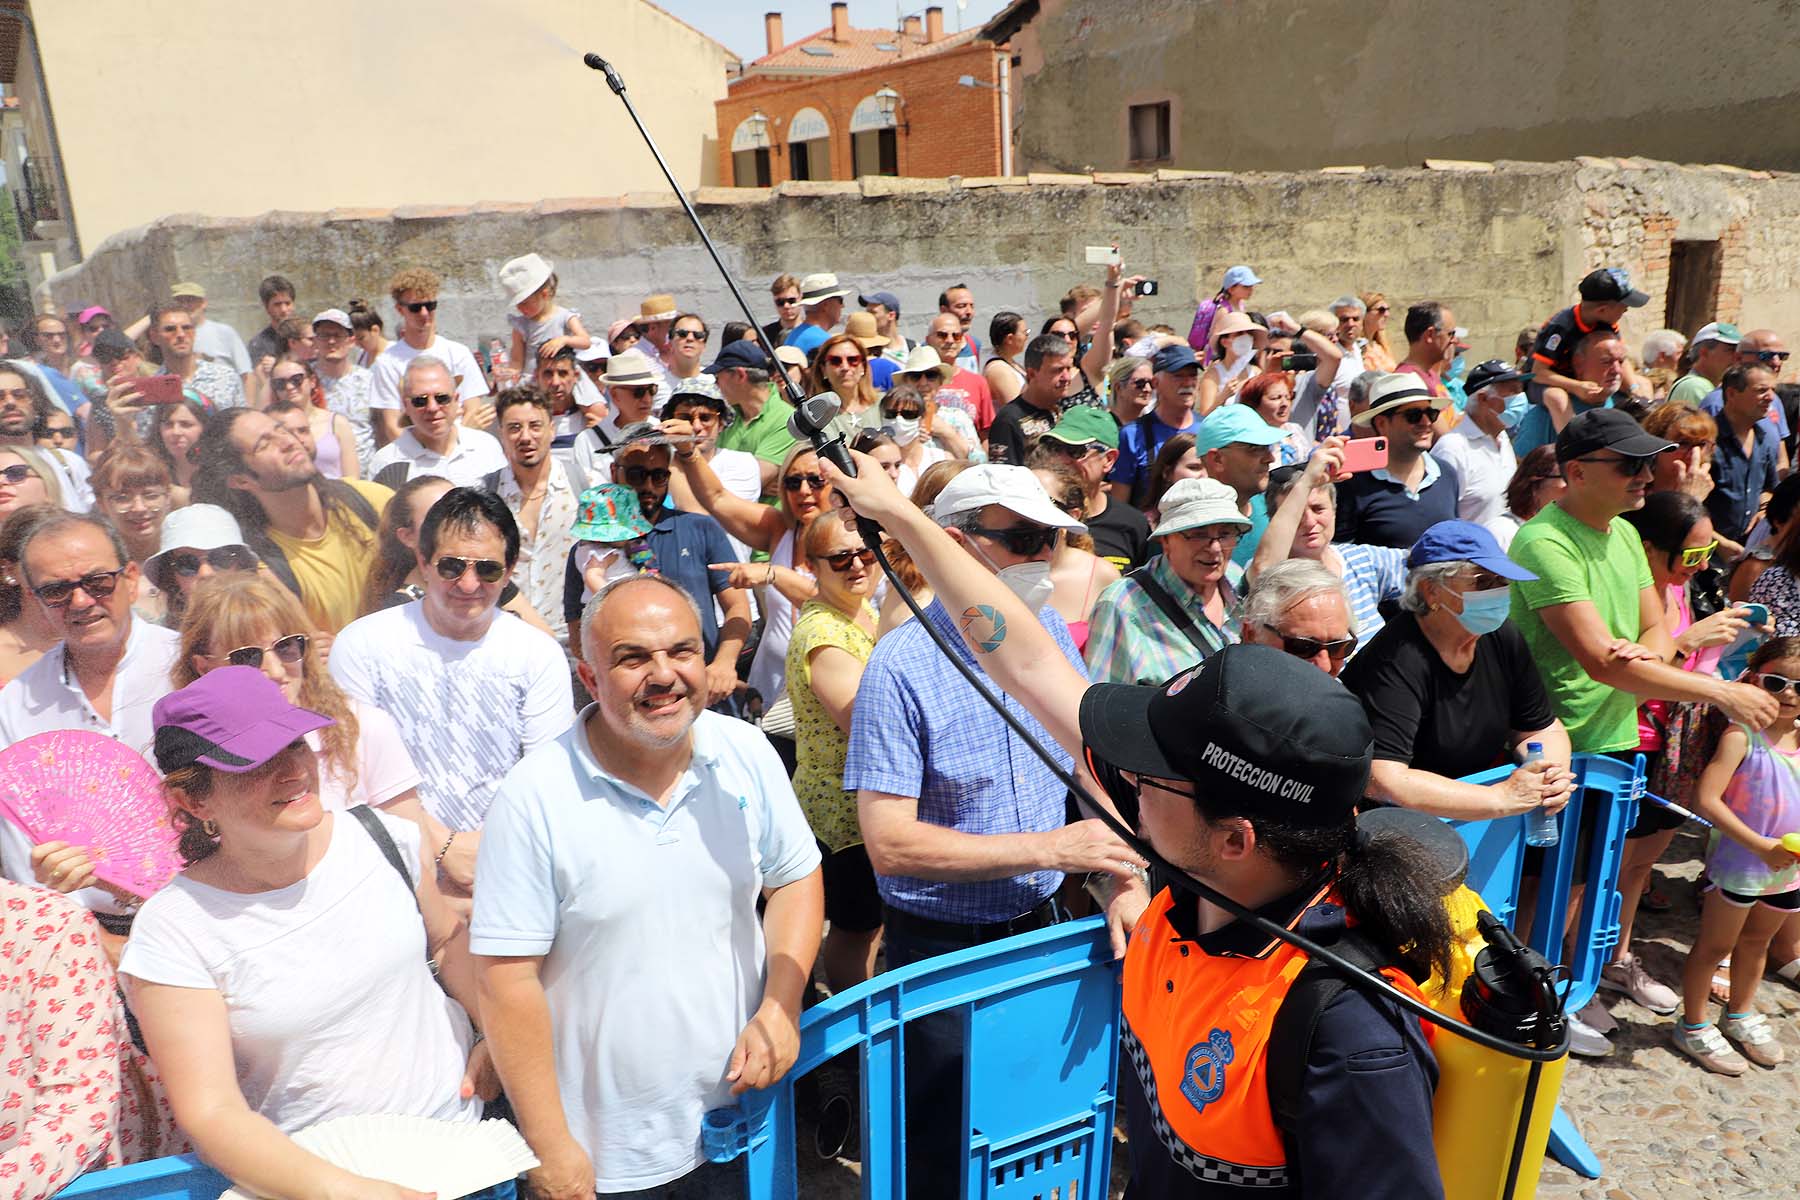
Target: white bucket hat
[194, 527]
[524, 275]
[1196, 503]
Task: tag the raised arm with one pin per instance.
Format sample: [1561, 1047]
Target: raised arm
[1278, 539]
[1100, 348]
[756, 525]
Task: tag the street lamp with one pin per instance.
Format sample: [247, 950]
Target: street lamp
[759, 129]
[970, 81]
[887, 100]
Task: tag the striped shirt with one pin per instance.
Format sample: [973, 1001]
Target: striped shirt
[920, 730]
[1371, 574]
[1131, 639]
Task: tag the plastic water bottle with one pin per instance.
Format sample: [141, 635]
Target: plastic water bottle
[1540, 826]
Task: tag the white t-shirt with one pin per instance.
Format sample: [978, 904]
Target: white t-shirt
[390, 365]
[1484, 464]
[73, 473]
[467, 711]
[476, 455]
[384, 769]
[332, 1009]
[646, 919]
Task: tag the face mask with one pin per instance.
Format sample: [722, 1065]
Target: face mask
[1484, 612]
[1030, 582]
[1241, 346]
[905, 429]
[1515, 410]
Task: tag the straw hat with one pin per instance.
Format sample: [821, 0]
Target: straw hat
[861, 326]
[660, 307]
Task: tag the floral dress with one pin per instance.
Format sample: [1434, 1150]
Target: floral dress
[819, 744]
[77, 1095]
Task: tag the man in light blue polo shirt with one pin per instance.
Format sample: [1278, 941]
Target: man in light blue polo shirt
[627, 985]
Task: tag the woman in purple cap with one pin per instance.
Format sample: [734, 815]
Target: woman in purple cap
[283, 975]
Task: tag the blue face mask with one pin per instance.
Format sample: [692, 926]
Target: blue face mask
[1515, 410]
[1484, 612]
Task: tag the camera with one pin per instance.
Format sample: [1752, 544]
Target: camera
[1146, 287]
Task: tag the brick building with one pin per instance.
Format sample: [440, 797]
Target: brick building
[843, 103]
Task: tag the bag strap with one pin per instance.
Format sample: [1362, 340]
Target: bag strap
[384, 841]
[1183, 620]
[1296, 1022]
[1146, 428]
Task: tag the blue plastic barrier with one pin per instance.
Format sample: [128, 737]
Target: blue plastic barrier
[187, 1178]
[1040, 1016]
[1496, 852]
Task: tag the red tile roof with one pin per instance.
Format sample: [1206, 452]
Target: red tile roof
[818, 54]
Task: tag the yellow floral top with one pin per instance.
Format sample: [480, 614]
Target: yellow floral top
[819, 744]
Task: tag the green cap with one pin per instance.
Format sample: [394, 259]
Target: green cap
[1083, 424]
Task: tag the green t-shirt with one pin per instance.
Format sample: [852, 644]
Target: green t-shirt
[1690, 390]
[1574, 562]
[767, 436]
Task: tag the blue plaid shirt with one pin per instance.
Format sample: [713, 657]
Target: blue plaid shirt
[920, 730]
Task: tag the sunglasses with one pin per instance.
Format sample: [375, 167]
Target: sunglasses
[1379, 308]
[839, 360]
[419, 306]
[1773, 355]
[1305, 647]
[186, 563]
[1022, 540]
[290, 650]
[634, 390]
[1140, 385]
[1414, 416]
[1073, 449]
[908, 413]
[441, 399]
[98, 584]
[840, 562]
[1630, 468]
[786, 301]
[635, 476]
[1777, 684]
[793, 483]
[286, 382]
[16, 474]
[696, 334]
[1698, 556]
[59, 431]
[453, 568]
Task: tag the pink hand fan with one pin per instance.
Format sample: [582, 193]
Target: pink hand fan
[87, 789]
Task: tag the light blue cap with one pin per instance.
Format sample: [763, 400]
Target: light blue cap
[1235, 423]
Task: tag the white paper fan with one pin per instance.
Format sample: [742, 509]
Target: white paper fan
[447, 1157]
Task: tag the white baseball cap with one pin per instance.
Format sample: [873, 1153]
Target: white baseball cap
[332, 316]
[1013, 488]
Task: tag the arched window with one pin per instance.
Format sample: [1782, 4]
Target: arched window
[809, 145]
[875, 136]
[750, 152]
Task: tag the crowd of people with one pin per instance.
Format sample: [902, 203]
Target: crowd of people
[576, 633]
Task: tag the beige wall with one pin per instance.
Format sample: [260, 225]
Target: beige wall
[1502, 247]
[1284, 85]
[237, 107]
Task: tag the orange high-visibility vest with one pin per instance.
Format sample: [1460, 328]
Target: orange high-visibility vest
[1196, 1031]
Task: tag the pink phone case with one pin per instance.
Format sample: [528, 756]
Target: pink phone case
[1365, 454]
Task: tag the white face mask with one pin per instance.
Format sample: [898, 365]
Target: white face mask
[1030, 582]
[906, 429]
[1241, 346]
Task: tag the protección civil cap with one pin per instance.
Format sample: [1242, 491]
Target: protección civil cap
[1258, 733]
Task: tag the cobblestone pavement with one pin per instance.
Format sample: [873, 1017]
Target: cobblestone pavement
[1663, 1126]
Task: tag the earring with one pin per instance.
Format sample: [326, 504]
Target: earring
[210, 828]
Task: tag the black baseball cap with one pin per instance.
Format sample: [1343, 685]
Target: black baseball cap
[1607, 429]
[1493, 371]
[1610, 284]
[1258, 732]
[741, 353]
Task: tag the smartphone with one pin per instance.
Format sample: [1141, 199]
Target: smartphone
[1146, 287]
[1102, 256]
[159, 389]
[1299, 362]
[1365, 454]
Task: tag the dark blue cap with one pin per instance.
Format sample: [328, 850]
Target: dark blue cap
[887, 300]
[1464, 541]
[1174, 358]
[741, 353]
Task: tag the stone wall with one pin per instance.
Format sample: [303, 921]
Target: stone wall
[1503, 244]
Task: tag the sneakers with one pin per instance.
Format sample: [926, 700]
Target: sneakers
[1706, 1047]
[1587, 1042]
[1594, 1015]
[1628, 977]
[1754, 1037]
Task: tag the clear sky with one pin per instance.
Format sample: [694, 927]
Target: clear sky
[739, 23]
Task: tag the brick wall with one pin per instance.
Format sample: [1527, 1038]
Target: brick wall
[947, 129]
